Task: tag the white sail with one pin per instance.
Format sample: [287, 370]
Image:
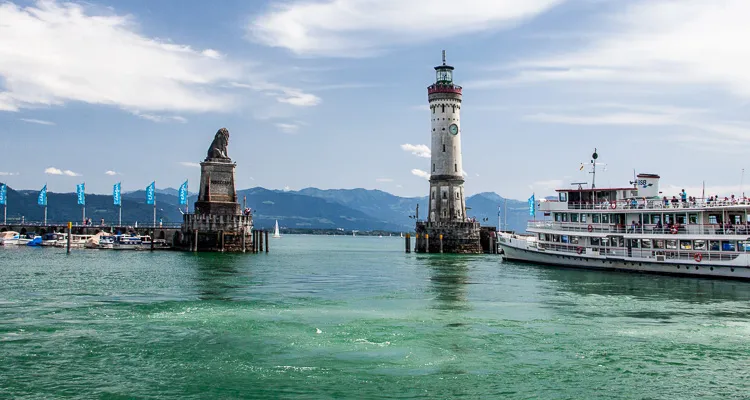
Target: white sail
[276, 230]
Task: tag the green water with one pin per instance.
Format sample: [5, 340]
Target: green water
[344, 317]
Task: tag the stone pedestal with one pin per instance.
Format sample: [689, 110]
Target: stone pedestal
[217, 194]
[218, 223]
[458, 237]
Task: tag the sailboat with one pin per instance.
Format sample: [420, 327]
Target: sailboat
[276, 230]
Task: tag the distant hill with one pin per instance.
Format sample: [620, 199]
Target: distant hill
[309, 208]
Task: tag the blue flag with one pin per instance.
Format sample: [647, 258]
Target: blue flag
[151, 193]
[42, 200]
[3, 194]
[116, 194]
[184, 193]
[81, 193]
[532, 206]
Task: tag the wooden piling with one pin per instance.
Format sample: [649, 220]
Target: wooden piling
[408, 245]
[70, 234]
[441, 243]
[267, 241]
[426, 242]
[152, 240]
[221, 238]
[244, 239]
[195, 240]
[260, 242]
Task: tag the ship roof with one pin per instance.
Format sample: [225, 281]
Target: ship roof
[597, 189]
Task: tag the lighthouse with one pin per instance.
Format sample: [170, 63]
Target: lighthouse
[447, 202]
[447, 228]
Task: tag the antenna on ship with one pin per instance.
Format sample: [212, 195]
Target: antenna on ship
[593, 179]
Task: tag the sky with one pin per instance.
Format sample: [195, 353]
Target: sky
[332, 93]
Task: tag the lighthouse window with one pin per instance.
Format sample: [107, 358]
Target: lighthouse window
[433, 167]
[443, 148]
[456, 195]
[455, 167]
[445, 195]
[443, 107]
[454, 108]
[433, 110]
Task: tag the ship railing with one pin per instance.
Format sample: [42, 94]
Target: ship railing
[644, 229]
[613, 251]
[654, 204]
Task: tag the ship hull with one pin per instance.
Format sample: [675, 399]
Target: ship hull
[724, 270]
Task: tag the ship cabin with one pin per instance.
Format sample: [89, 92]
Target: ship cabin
[617, 220]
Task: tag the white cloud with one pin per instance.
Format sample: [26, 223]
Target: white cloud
[419, 150]
[551, 184]
[287, 128]
[37, 121]
[45, 62]
[189, 164]
[160, 118]
[660, 42]
[283, 94]
[287, 188]
[383, 180]
[57, 171]
[604, 119]
[111, 173]
[363, 27]
[420, 173]
[9, 173]
[296, 98]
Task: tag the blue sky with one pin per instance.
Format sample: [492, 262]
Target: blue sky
[332, 93]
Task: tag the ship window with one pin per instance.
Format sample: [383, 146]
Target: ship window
[681, 219]
[727, 245]
[736, 219]
[712, 219]
[700, 245]
[633, 243]
[556, 238]
[595, 218]
[671, 244]
[573, 217]
[645, 243]
[744, 245]
[655, 219]
[693, 218]
[563, 196]
[595, 241]
[557, 217]
[565, 239]
[605, 218]
[541, 236]
[564, 217]
[583, 217]
[713, 245]
[658, 244]
[574, 239]
[686, 245]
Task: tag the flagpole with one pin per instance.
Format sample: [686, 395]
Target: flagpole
[45, 203]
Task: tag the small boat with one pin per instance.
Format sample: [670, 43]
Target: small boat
[8, 238]
[27, 238]
[52, 239]
[106, 242]
[127, 242]
[35, 242]
[95, 242]
[276, 230]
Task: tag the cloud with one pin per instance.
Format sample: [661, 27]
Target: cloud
[420, 173]
[37, 121]
[659, 43]
[383, 180]
[365, 27]
[287, 188]
[419, 150]
[604, 119]
[189, 164]
[282, 93]
[9, 173]
[287, 128]
[57, 171]
[46, 64]
[160, 118]
[111, 173]
[551, 184]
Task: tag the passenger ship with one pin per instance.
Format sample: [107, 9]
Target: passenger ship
[636, 229]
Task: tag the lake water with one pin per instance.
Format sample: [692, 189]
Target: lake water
[345, 317]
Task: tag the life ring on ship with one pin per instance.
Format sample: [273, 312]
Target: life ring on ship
[591, 228]
[673, 230]
[613, 206]
[698, 257]
[579, 249]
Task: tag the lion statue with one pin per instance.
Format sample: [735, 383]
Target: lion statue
[218, 148]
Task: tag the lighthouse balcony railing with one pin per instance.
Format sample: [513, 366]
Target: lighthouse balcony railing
[443, 88]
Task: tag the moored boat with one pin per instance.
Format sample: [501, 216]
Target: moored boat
[636, 229]
[8, 238]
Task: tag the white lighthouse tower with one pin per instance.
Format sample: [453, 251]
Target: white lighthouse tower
[447, 228]
[447, 202]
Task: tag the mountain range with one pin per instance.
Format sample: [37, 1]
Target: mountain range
[309, 208]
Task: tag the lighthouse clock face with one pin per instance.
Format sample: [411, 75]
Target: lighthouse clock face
[453, 129]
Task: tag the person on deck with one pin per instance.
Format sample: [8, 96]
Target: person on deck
[683, 196]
